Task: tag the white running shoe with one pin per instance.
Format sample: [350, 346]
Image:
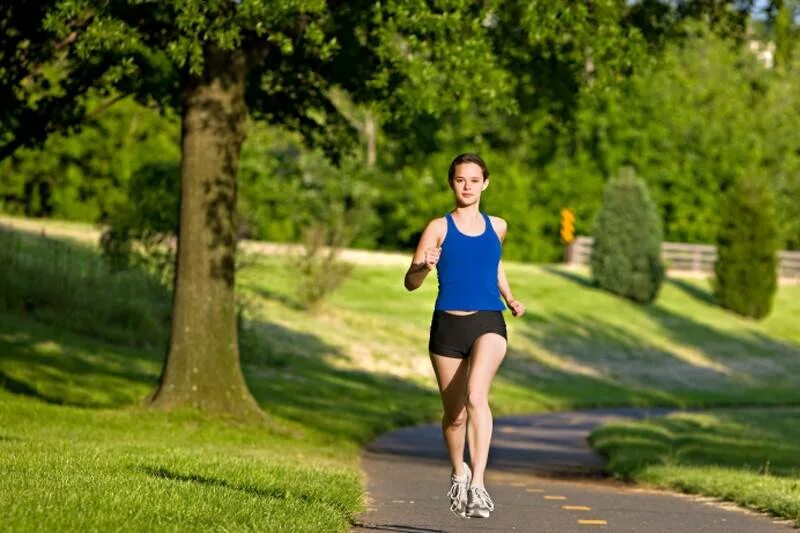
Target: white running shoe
[458, 491]
[479, 504]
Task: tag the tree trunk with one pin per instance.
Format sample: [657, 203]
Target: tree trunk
[202, 368]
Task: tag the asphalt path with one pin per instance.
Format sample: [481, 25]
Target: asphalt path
[542, 476]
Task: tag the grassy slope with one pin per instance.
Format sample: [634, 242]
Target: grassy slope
[750, 456]
[333, 380]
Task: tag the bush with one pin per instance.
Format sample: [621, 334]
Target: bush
[319, 269]
[627, 241]
[143, 228]
[747, 245]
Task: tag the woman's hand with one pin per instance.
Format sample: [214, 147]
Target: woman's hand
[517, 309]
[432, 256]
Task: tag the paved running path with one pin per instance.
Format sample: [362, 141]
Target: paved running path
[543, 477]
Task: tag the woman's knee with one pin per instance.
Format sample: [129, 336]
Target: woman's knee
[477, 400]
[456, 418]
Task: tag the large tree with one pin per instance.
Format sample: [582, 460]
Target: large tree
[216, 61]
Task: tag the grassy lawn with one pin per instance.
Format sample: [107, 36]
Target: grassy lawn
[80, 349]
[750, 456]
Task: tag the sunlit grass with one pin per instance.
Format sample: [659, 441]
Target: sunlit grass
[750, 456]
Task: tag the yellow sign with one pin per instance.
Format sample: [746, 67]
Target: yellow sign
[567, 225]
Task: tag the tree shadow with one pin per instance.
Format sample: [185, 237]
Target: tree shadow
[276, 493]
[569, 275]
[293, 374]
[308, 388]
[283, 299]
[65, 368]
[20, 387]
[705, 356]
[692, 290]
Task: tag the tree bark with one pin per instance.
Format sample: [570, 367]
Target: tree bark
[202, 368]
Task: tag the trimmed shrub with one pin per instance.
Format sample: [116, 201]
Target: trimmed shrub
[626, 254]
[747, 245]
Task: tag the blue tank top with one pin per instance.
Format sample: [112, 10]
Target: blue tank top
[467, 270]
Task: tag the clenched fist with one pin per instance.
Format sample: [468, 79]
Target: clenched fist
[517, 309]
[432, 257]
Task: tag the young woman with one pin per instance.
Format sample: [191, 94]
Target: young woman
[468, 333]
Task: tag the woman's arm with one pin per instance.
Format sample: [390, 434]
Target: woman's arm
[426, 256]
[517, 309]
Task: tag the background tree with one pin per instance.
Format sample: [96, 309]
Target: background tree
[626, 254]
[746, 267]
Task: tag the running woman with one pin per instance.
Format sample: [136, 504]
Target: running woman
[468, 337]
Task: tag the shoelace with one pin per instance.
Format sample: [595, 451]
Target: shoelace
[480, 494]
[456, 493]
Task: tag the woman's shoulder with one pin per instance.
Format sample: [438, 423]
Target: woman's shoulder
[499, 224]
[437, 226]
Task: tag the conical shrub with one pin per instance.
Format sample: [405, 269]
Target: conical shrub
[747, 245]
[626, 254]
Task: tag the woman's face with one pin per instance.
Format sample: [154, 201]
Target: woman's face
[468, 184]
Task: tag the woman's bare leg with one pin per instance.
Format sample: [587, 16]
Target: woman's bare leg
[451, 374]
[487, 355]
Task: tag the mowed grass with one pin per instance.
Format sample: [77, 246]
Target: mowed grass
[73, 413]
[78, 469]
[750, 456]
[79, 452]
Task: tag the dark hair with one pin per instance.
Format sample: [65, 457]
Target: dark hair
[467, 158]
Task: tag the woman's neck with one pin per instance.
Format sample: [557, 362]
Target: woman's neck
[468, 212]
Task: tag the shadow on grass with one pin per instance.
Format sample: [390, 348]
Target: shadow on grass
[283, 299]
[692, 290]
[300, 377]
[713, 358]
[61, 367]
[20, 387]
[291, 373]
[277, 493]
[569, 275]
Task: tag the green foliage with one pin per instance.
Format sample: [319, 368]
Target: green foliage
[142, 229]
[557, 97]
[703, 114]
[85, 175]
[627, 241]
[746, 267]
[286, 187]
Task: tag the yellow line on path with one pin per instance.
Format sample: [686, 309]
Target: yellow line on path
[576, 507]
[534, 490]
[550, 497]
[593, 522]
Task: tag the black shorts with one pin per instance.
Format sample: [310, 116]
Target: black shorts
[453, 335]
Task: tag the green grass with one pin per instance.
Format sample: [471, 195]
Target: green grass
[77, 358]
[80, 452]
[750, 456]
[67, 283]
[78, 469]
